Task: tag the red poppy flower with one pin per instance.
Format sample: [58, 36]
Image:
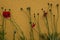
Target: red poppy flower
[33, 25]
[6, 14]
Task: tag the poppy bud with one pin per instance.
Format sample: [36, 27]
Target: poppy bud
[21, 9]
[2, 8]
[57, 5]
[51, 4]
[37, 13]
[9, 9]
[14, 32]
[28, 8]
[33, 25]
[45, 14]
[34, 15]
[48, 3]
[50, 10]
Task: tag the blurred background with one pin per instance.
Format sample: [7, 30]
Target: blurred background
[22, 20]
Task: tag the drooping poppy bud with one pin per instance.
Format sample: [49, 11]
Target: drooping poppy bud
[50, 10]
[14, 32]
[51, 4]
[6, 14]
[45, 14]
[9, 9]
[2, 8]
[33, 25]
[42, 9]
[28, 8]
[34, 15]
[37, 13]
[21, 9]
[48, 4]
[57, 5]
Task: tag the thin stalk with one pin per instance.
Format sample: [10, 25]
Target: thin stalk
[57, 16]
[47, 24]
[31, 32]
[51, 15]
[54, 27]
[56, 21]
[30, 20]
[3, 25]
[48, 28]
[16, 25]
[14, 35]
[38, 26]
[3, 29]
[35, 23]
[50, 10]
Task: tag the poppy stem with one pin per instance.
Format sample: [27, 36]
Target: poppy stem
[54, 27]
[57, 15]
[35, 22]
[38, 26]
[14, 34]
[3, 27]
[16, 25]
[31, 32]
[48, 28]
[51, 14]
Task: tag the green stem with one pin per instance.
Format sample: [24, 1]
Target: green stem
[54, 27]
[48, 28]
[14, 35]
[3, 28]
[31, 32]
[38, 26]
[16, 26]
